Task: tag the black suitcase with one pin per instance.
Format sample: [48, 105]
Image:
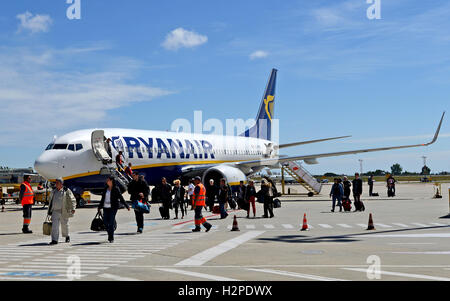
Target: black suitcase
[161, 211]
[359, 206]
[391, 192]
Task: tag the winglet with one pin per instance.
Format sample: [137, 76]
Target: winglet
[437, 131]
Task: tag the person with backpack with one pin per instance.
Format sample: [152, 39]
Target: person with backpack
[337, 194]
[136, 187]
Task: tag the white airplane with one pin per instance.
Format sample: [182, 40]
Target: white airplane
[82, 160]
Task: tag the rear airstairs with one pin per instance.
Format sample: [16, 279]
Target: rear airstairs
[302, 176]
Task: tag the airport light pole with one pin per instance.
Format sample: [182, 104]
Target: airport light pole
[361, 166]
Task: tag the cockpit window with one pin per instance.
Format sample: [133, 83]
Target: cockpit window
[71, 147]
[60, 146]
[50, 146]
[79, 147]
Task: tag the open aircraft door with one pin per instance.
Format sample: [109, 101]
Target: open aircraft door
[99, 147]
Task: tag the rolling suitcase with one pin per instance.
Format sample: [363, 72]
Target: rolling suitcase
[359, 206]
[216, 210]
[161, 211]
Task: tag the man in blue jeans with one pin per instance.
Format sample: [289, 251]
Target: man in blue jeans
[337, 193]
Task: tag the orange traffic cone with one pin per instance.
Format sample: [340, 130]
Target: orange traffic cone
[371, 226]
[235, 225]
[305, 224]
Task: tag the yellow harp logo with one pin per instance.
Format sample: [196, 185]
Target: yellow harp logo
[269, 105]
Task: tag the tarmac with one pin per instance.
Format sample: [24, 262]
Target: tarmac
[411, 243]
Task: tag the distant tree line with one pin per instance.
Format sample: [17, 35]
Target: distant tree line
[396, 169]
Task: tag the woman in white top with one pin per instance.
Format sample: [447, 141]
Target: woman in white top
[110, 203]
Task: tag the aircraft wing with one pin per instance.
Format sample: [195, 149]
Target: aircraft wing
[309, 142]
[275, 161]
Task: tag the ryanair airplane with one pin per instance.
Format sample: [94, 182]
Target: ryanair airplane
[82, 158]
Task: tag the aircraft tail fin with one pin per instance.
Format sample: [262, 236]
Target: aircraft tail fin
[263, 127]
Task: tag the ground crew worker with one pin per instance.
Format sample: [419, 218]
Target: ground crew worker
[199, 203]
[61, 207]
[26, 197]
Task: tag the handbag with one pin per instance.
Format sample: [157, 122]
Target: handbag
[97, 223]
[140, 206]
[47, 226]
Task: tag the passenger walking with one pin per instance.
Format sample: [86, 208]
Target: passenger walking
[347, 188]
[370, 183]
[337, 193]
[178, 193]
[211, 194]
[165, 195]
[136, 187]
[250, 195]
[199, 203]
[61, 207]
[357, 192]
[119, 161]
[129, 171]
[111, 197]
[391, 186]
[26, 198]
[222, 197]
[191, 188]
[265, 194]
[240, 194]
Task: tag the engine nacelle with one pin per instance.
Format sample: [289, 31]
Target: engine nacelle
[231, 174]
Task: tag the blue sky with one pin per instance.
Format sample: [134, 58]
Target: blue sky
[145, 64]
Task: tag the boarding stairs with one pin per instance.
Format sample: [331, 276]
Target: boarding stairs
[302, 176]
[100, 151]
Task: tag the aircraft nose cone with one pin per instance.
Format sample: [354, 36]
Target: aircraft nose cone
[45, 167]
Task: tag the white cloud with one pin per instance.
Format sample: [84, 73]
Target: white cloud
[180, 37]
[38, 100]
[35, 24]
[259, 54]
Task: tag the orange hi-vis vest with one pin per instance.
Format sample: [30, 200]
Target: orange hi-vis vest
[201, 196]
[28, 195]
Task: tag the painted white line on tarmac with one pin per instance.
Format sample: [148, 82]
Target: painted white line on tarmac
[209, 254]
[411, 243]
[424, 253]
[250, 227]
[288, 226]
[344, 226]
[400, 225]
[438, 224]
[417, 276]
[269, 226]
[325, 226]
[382, 225]
[296, 275]
[362, 225]
[117, 278]
[425, 235]
[420, 225]
[198, 275]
